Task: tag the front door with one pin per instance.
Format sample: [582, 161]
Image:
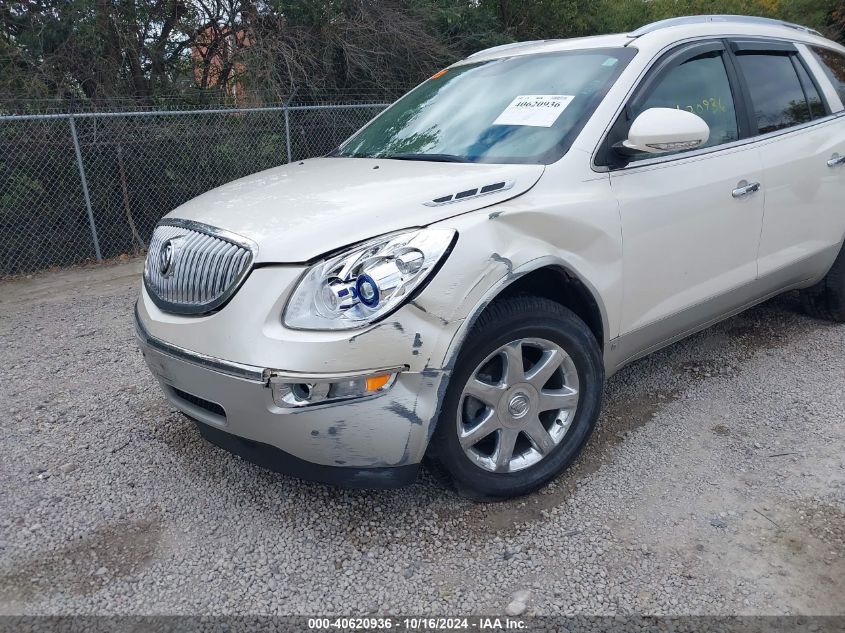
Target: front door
[691, 220]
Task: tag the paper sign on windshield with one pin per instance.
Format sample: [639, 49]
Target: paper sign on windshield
[534, 110]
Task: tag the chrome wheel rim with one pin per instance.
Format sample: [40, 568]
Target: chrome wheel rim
[517, 405]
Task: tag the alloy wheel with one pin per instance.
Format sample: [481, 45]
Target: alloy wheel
[517, 405]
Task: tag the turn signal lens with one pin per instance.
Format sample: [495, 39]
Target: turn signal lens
[374, 383]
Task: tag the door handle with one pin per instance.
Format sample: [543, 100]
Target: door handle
[835, 160]
[744, 188]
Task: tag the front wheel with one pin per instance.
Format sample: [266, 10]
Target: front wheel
[522, 401]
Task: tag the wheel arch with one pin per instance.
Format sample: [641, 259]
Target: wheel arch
[551, 278]
[558, 284]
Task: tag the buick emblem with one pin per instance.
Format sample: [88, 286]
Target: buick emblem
[167, 256]
[519, 405]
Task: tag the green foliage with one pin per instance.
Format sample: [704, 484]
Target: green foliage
[463, 26]
[543, 19]
[624, 15]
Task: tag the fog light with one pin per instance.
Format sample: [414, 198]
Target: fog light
[290, 394]
[308, 392]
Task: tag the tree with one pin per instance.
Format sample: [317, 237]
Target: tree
[148, 50]
[98, 49]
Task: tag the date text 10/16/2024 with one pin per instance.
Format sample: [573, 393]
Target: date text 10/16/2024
[492, 623]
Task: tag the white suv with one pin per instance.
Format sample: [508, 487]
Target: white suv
[454, 282]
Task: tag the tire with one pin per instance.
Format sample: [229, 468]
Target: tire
[826, 300]
[536, 330]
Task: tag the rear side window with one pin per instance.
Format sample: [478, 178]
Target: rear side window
[777, 93]
[833, 64]
[817, 109]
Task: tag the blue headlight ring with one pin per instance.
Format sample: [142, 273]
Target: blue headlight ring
[370, 303]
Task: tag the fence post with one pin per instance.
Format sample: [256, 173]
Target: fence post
[287, 133]
[79, 164]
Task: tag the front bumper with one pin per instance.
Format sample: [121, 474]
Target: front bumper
[377, 441]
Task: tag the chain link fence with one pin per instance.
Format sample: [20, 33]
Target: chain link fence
[93, 185]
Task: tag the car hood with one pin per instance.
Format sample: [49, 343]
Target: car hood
[299, 211]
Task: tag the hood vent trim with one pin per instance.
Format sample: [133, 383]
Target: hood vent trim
[471, 194]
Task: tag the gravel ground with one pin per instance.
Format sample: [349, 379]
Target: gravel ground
[714, 485]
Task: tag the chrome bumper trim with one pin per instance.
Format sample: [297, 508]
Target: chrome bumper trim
[246, 372]
[238, 370]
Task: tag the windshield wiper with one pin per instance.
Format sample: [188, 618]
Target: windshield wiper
[437, 158]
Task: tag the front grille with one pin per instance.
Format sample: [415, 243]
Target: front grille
[193, 268]
[207, 405]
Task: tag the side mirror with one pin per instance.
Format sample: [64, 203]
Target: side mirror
[659, 130]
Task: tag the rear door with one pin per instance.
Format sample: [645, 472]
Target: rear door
[690, 236]
[799, 137]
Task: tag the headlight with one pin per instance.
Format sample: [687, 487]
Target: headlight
[367, 282]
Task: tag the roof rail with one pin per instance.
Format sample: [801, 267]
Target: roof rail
[699, 19]
[504, 47]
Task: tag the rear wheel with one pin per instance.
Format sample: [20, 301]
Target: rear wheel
[522, 400]
[826, 300]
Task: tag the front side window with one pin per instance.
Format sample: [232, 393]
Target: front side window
[777, 94]
[522, 109]
[833, 64]
[699, 85]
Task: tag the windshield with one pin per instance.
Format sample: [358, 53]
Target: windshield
[524, 109]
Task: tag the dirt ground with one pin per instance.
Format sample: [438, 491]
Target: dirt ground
[715, 484]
